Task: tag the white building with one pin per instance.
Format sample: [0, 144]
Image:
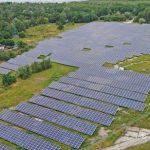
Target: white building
[2, 47]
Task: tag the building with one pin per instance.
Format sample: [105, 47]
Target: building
[2, 47]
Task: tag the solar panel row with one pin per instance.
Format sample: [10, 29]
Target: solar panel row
[82, 101]
[117, 74]
[71, 109]
[24, 140]
[120, 101]
[57, 118]
[42, 128]
[104, 88]
[4, 147]
[111, 83]
[4, 71]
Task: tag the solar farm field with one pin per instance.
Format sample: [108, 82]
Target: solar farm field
[69, 113]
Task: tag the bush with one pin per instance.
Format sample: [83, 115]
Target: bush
[60, 25]
[6, 55]
[39, 66]
[128, 15]
[142, 20]
[7, 42]
[21, 44]
[8, 79]
[24, 72]
[22, 35]
[45, 64]
[36, 67]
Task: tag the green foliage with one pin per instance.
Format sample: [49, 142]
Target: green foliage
[7, 42]
[17, 17]
[21, 44]
[22, 35]
[6, 55]
[60, 25]
[142, 20]
[26, 71]
[8, 79]
[146, 15]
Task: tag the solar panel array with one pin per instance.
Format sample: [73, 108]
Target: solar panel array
[104, 88]
[69, 49]
[111, 82]
[120, 101]
[75, 110]
[4, 147]
[57, 117]
[24, 140]
[43, 128]
[84, 99]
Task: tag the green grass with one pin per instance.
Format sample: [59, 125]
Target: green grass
[38, 33]
[86, 49]
[140, 147]
[125, 117]
[139, 64]
[24, 89]
[109, 46]
[126, 43]
[35, 34]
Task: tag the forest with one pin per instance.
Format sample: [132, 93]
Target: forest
[15, 18]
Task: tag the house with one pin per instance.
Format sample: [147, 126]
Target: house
[2, 47]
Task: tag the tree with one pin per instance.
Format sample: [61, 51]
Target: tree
[60, 25]
[146, 15]
[142, 20]
[24, 72]
[8, 79]
[21, 34]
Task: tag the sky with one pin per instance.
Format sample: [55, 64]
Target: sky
[59, 1]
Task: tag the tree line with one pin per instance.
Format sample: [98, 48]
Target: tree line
[26, 71]
[15, 18]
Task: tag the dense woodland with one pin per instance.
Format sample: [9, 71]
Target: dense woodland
[15, 18]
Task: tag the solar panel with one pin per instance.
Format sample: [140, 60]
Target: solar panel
[82, 101]
[4, 71]
[111, 83]
[104, 88]
[42, 128]
[24, 140]
[9, 66]
[124, 102]
[75, 110]
[132, 77]
[4, 147]
[57, 118]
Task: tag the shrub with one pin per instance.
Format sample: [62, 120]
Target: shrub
[36, 67]
[24, 72]
[21, 44]
[8, 79]
[22, 35]
[39, 66]
[60, 25]
[142, 20]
